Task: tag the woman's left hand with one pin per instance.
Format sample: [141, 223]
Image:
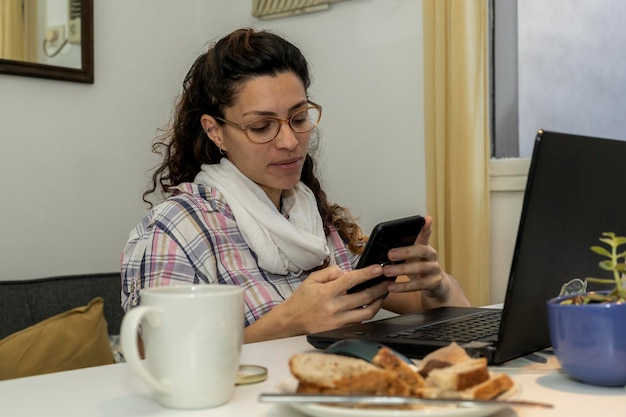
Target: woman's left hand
[422, 272]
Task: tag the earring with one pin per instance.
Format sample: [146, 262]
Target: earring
[222, 152]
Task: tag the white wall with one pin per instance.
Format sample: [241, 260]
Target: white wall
[75, 157]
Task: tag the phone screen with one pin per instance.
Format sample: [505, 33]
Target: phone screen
[384, 237]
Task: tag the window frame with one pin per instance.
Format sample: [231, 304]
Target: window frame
[504, 107]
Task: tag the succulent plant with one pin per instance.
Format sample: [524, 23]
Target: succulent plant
[615, 263]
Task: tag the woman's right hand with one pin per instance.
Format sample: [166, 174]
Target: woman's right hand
[321, 302]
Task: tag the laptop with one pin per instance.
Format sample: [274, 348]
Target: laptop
[576, 190]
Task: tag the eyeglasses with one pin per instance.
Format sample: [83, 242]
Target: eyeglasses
[266, 129]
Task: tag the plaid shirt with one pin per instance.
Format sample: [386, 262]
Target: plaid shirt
[193, 238]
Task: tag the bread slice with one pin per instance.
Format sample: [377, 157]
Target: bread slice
[443, 357]
[373, 383]
[459, 376]
[324, 369]
[336, 374]
[489, 389]
[386, 359]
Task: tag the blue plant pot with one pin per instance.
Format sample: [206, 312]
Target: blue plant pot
[590, 340]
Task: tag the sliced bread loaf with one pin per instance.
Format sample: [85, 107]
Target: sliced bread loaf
[459, 376]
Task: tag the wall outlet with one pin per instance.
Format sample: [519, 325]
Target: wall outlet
[55, 35]
[73, 31]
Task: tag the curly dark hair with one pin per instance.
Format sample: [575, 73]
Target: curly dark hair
[212, 85]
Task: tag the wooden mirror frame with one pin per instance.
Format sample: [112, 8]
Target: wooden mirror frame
[83, 75]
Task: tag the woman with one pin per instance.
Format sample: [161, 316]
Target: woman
[245, 206]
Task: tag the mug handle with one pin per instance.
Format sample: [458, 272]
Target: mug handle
[128, 339]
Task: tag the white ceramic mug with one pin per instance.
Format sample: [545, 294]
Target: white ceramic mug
[192, 337]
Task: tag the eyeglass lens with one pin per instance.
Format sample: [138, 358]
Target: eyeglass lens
[265, 130]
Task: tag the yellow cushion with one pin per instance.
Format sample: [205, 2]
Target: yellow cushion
[74, 339]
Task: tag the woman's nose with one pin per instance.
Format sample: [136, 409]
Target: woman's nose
[286, 137]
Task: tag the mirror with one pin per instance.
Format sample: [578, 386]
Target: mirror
[47, 39]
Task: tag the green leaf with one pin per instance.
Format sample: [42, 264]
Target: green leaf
[600, 280]
[620, 240]
[601, 251]
[608, 242]
[606, 265]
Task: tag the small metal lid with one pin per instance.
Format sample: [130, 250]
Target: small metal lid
[251, 374]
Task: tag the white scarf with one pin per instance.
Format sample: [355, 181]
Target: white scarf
[294, 243]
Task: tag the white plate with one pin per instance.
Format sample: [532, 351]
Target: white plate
[320, 410]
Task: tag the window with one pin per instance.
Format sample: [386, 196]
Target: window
[557, 65]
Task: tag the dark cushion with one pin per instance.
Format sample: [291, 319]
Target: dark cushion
[27, 302]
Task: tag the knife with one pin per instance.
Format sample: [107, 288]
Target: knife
[392, 400]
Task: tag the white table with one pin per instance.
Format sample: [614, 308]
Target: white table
[113, 391]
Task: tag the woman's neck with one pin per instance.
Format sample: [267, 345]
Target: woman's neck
[275, 196]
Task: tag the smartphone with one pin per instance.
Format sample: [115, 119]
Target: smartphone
[385, 236]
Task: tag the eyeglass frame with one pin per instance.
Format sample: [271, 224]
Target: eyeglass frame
[244, 127]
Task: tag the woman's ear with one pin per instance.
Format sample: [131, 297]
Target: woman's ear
[213, 130]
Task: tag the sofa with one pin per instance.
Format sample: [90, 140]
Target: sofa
[26, 302]
[59, 323]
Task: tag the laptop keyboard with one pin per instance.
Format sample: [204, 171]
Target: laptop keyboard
[474, 327]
